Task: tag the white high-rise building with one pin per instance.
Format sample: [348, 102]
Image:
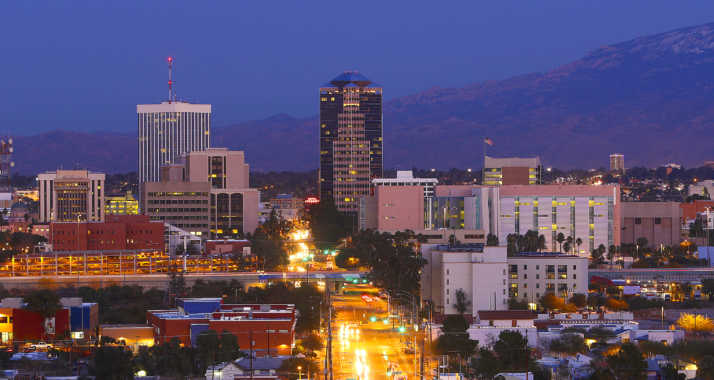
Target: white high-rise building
[169, 130]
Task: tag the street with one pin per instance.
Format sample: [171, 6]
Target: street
[367, 344]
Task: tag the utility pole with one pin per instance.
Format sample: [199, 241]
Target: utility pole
[329, 331]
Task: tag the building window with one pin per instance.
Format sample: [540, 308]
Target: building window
[525, 276]
[537, 267]
[525, 267]
[638, 220]
[575, 276]
[537, 276]
[658, 220]
[537, 285]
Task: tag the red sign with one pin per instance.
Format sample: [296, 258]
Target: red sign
[366, 298]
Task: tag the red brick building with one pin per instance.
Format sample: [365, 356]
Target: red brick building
[117, 232]
[271, 327]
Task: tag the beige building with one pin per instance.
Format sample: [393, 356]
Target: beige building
[206, 194]
[71, 195]
[617, 162]
[480, 272]
[658, 222]
[531, 276]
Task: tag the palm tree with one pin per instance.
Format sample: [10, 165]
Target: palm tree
[560, 239]
[541, 243]
[569, 240]
[461, 302]
[579, 242]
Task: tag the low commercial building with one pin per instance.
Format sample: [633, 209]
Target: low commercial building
[118, 232]
[260, 328]
[74, 319]
[130, 335]
[532, 275]
[489, 324]
[658, 222]
[477, 271]
[228, 246]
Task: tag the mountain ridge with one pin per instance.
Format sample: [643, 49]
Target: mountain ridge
[650, 98]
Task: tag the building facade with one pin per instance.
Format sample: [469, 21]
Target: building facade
[71, 196]
[167, 131]
[511, 171]
[588, 213]
[617, 162]
[351, 149]
[478, 271]
[658, 222]
[532, 275]
[117, 232]
[124, 204]
[207, 194]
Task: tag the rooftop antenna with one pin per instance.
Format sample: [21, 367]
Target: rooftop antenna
[172, 94]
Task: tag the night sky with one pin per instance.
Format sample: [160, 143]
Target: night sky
[85, 65]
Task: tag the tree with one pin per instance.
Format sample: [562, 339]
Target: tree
[695, 322]
[569, 344]
[290, 369]
[212, 348]
[541, 243]
[641, 244]
[512, 350]
[670, 372]
[486, 366]
[579, 300]
[578, 242]
[462, 304]
[560, 238]
[454, 338]
[177, 284]
[492, 240]
[269, 250]
[328, 225]
[628, 363]
[705, 368]
[112, 363]
[44, 302]
[611, 251]
[312, 342]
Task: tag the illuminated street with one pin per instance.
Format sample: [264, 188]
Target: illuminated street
[365, 346]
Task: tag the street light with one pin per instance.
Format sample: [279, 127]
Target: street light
[300, 372]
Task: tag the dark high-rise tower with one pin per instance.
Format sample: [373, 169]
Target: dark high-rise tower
[350, 139]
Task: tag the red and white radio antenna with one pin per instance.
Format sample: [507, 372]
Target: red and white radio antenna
[172, 94]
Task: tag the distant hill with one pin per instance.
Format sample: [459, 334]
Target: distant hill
[651, 98]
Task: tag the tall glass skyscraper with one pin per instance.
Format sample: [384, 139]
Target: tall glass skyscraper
[351, 152]
[167, 131]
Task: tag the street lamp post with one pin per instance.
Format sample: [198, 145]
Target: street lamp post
[300, 372]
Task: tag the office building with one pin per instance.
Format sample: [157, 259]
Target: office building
[511, 171]
[658, 222]
[478, 271]
[588, 213]
[167, 131]
[260, 328]
[117, 232]
[206, 194]
[468, 211]
[123, 204]
[617, 162]
[351, 148]
[71, 195]
[532, 275]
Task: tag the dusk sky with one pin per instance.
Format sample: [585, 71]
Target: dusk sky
[85, 65]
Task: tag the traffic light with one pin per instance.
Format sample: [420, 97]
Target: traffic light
[373, 319]
[385, 321]
[402, 329]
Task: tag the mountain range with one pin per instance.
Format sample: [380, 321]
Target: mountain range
[650, 98]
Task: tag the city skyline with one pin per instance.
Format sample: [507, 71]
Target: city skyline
[69, 69]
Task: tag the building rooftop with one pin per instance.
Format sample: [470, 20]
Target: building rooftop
[528, 162]
[469, 247]
[544, 255]
[497, 315]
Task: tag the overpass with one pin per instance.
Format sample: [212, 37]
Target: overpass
[160, 281]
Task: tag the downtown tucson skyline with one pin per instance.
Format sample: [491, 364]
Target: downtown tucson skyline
[84, 65]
